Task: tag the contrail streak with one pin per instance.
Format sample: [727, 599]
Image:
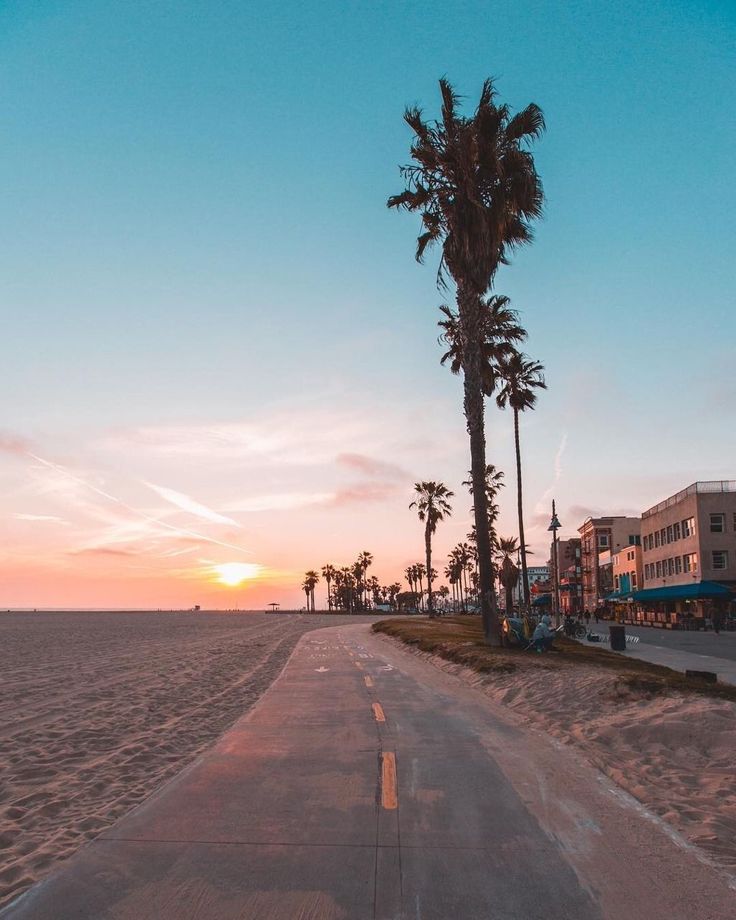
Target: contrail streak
[180, 531]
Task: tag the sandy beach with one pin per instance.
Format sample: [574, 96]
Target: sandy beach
[98, 709]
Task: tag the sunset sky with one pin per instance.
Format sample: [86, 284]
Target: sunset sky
[218, 348]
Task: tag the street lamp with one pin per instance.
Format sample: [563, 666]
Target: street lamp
[554, 526]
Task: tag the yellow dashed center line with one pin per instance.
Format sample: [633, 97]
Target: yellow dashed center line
[389, 797]
[368, 681]
[378, 712]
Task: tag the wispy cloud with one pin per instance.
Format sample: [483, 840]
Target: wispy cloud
[282, 501]
[185, 503]
[372, 467]
[41, 518]
[541, 506]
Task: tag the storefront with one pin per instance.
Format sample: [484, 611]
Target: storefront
[682, 606]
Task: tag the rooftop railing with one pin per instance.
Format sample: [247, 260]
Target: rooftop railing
[697, 488]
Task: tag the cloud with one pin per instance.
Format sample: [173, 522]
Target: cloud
[45, 518]
[185, 503]
[14, 445]
[363, 493]
[103, 551]
[541, 505]
[282, 501]
[372, 467]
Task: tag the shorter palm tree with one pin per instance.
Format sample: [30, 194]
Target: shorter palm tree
[328, 573]
[433, 505]
[521, 377]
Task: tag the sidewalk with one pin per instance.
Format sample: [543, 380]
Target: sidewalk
[370, 785]
[676, 659]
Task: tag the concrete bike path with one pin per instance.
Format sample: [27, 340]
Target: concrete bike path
[368, 783]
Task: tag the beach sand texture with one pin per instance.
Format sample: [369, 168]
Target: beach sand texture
[98, 709]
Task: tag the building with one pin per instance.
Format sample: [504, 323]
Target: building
[571, 585]
[537, 574]
[689, 554]
[601, 535]
[627, 574]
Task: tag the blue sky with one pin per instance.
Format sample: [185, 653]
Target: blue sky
[193, 233]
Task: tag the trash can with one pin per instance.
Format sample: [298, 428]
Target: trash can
[618, 638]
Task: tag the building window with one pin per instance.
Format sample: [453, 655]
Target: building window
[656, 538]
[688, 527]
[663, 535]
[690, 562]
[676, 530]
[670, 537]
[615, 582]
[659, 569]
[633, 580]
[670, 566]
[678, 565]
[720, 558]
[717, 523]
[602, 539]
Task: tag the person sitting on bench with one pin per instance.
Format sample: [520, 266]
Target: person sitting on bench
[544, 635]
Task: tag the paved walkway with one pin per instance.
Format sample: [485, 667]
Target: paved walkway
[656, 646]
[366, 785]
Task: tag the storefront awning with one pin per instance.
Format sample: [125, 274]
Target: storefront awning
[702, 589]
[544, 600]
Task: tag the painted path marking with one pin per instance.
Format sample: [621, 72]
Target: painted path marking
[389, 798]
[378, 712]
[368, 681]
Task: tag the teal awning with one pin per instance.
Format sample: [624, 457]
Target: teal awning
[544, 600]
[702, 589]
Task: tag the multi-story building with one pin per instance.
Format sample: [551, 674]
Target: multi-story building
[571, 594]
[600, 535]
[537, 574]
[689, 553]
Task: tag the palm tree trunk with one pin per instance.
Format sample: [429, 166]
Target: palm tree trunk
[428, 549]
[469, 310]
[524, 573]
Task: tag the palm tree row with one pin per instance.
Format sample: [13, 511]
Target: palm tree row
[474, 183]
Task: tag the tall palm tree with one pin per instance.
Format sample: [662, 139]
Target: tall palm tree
[364, 559]
[500, 329]
[493, 485]
[508, 571]
[433, 505]
[474, 183]
[306, 588]
[312, 578]
[521, 378]
[419, 573]
[328, 573]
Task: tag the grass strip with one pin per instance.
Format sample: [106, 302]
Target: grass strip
[460, 639]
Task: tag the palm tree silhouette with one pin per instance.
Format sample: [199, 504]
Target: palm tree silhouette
[474, 183]
[433, 505]
[310, 579]
[328, 573]
[521, 377]
[493, 485]
[364, 560]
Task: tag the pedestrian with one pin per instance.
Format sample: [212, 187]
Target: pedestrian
[716, 617]
[596, 614]
[586, 617]
[544, 635]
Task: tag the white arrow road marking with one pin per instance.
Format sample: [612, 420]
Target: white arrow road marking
[387, 668]
[321, 670]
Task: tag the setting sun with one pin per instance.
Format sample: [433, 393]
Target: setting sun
[235, 573]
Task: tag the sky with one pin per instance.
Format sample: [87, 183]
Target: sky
[217, 346]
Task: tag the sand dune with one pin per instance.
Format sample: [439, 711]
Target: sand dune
[97, 710]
